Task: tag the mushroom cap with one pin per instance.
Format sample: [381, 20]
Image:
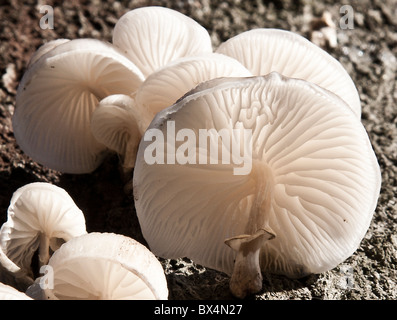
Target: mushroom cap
[56, 98]
[35, 209]
[265, 50]
[314, 179]
[46, 47]
[165, 86]
[106, 266]
[115, 124]
[10, 293]
[153, 36]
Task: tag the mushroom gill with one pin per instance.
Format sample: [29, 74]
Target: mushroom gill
[301, 205]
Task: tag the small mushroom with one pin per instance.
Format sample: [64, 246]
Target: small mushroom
[153, 36]
[56, 98]
[105, 266]
[304, 202]
[40, 216]
[265, 50]
[10, 293]
[116, 123]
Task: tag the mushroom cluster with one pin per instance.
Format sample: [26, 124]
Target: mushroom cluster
[76, 265]
[81, 99]
[284, 179]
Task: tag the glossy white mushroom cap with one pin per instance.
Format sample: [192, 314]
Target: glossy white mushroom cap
[265, 50]
[106, 266]
[165, 86]
[153, 36]
[10, 293]
[56, 98]
[40, 216]
[311, 190]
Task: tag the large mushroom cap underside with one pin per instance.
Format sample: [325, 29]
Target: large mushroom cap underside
[57, 96]
[313, 181]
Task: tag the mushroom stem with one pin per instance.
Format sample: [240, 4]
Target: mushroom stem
[247, 276]
[264, 182]
[142, 119]
[142, 115]
[44, 245]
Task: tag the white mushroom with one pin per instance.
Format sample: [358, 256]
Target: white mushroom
[56, 98]
[153, 36]
[120, 121]
[300, 202]
[105, 266]
[116, 123]
[165, 86]
[40, 216]
[11, 274]
[46, 47]
[10, 293]
[265, 50]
